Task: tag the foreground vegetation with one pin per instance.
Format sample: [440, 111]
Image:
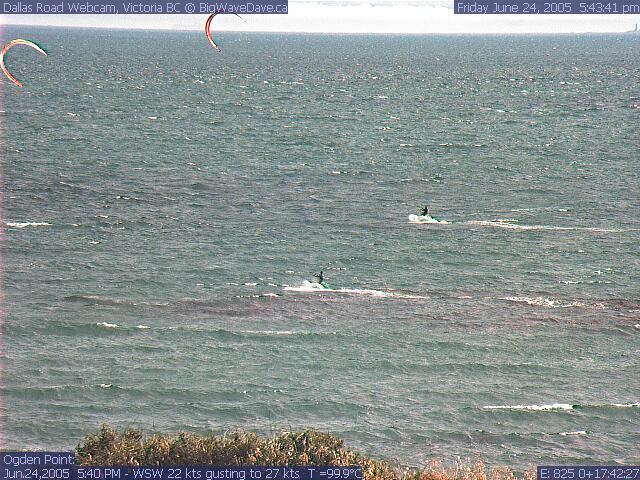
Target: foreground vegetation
[130, 447]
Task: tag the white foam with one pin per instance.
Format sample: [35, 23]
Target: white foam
[107, 325]
[543, 302]
[312, 287]
[308, 286]
[269, 332]
[372, 293]
[27, 224]
[316, 287]
[513, 226]
[143, 327]
[625, 405]
[413, 218]
[579, 432]
[552, 406]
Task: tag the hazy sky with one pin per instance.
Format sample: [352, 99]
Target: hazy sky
[354, 16]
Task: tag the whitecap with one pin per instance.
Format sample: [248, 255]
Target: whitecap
[107, 325]
[27, 224]
[543, 302]
[268, 332]
[553, 406]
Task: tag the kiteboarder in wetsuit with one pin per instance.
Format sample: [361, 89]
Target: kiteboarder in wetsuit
[425, 211]
[320, 279]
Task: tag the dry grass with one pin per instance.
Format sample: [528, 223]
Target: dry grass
[109, 448]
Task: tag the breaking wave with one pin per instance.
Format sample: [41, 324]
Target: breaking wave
[544, 302]
[26, 224]
[560, 406]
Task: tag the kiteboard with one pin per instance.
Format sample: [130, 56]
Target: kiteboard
[308, 286]
[426, 219]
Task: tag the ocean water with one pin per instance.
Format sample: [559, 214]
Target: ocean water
[159, 198]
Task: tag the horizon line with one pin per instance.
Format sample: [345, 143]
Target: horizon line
[298, 32]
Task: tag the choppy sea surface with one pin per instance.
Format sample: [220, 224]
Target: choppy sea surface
[159, 198]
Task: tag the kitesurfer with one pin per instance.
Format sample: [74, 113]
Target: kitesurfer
[319, 277]
[425, 211]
